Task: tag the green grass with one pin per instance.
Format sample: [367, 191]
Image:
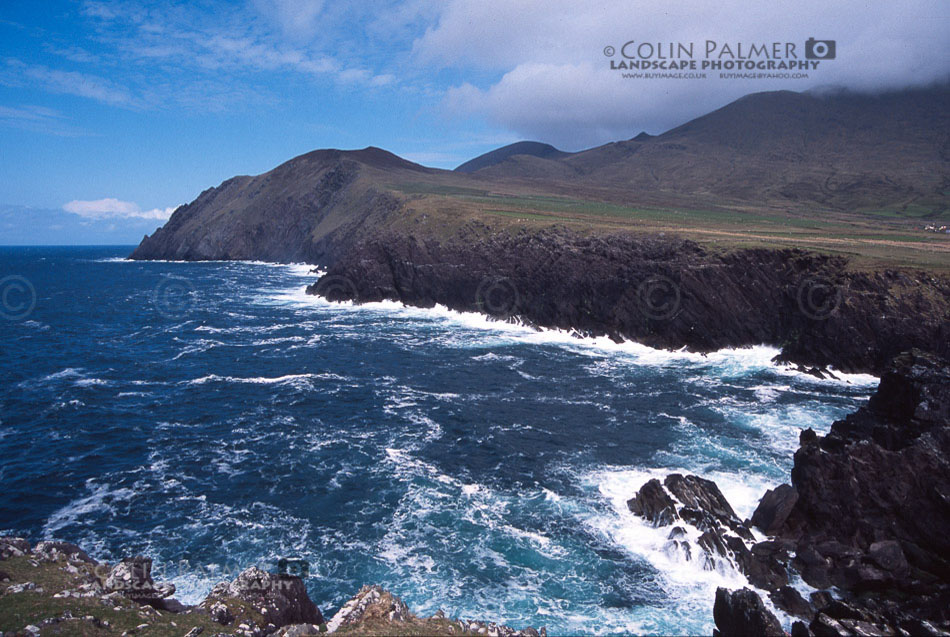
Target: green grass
[18, 610]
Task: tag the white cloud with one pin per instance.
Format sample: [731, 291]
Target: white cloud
[296, 18]
[110, 208]
[39, 119]
[17, 73]
[555, 84]
[231, 38]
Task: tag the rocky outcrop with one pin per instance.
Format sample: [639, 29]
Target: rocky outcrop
[873, 498]
[741, 613]
[132, 577]
[719, 538]
[281, 600]
[375, 610]
[868, 511]
[663, 292]
[867, 515]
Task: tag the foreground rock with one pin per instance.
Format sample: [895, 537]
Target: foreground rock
[56, 587]
[376, 611]
[868, 510]
[262, 600]
[867, 514]
[741, 614]
[871, 508]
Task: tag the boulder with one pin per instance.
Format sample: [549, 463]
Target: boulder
[741, 613]
[53, 551]
[281, 599]
[298, 630]
[13, 547]
[774, 508]
[132, 578]
[792, 602]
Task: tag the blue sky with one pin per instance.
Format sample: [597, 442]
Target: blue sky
[113, 112]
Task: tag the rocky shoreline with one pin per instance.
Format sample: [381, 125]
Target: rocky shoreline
[661, 291]
[864, 521]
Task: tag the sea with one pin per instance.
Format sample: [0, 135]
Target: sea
[214, 417]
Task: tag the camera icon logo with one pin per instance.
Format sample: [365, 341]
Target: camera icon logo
[819, 49]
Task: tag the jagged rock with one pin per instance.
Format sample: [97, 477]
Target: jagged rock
[792, 602]
[370, 601]
[132, 577]
[774, 508]
[741, 613]
[13, 547]
[282, 599]
[374, 610]
[873, 494]
[653, 503]
[699, 493]
[825, 626]
[52, 551]
[722, 537]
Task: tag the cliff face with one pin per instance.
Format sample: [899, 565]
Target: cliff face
[865, 519]
[659, 291]
[873, 505]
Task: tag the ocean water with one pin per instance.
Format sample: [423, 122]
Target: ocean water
[213, 416]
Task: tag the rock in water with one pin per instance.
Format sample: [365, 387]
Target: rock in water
[723, 537]
[741, 613]
[699, 493]
[653, 503]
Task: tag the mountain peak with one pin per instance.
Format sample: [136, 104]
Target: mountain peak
[534, 149]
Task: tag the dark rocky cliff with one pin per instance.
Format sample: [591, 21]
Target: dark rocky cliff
[864, 520]
[871, 500]
[663, 292]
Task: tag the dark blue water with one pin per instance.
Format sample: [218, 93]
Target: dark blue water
[213, 416]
